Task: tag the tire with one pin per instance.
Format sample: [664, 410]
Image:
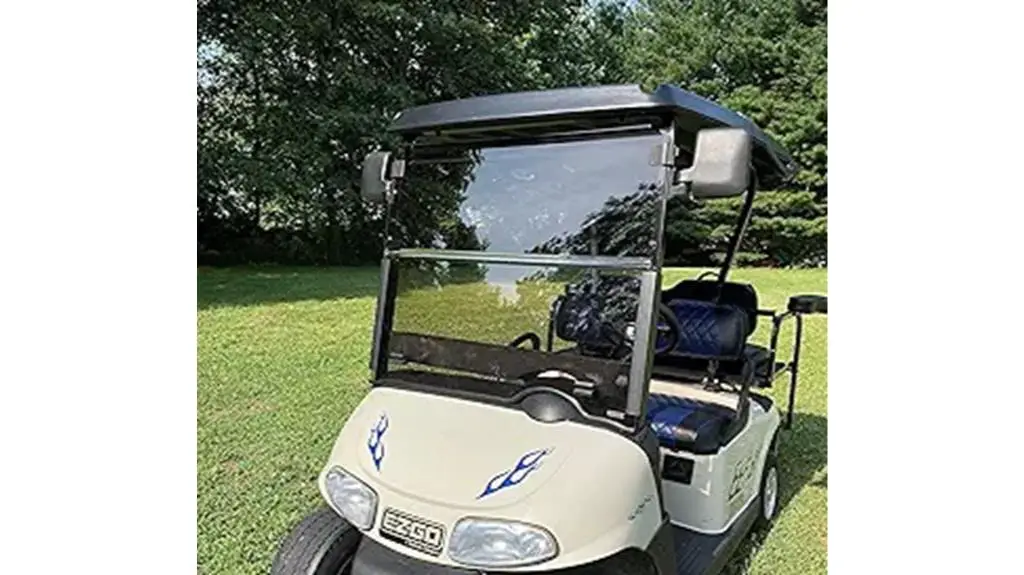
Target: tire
[321, 544]
[768, 497]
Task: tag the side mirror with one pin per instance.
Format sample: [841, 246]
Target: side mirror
[721, 164]
[375, 183]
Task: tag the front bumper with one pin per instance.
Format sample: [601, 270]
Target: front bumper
[372, 558]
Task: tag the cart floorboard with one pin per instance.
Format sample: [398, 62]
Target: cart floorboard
[701, 554]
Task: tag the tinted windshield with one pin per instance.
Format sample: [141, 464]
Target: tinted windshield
[509, 323]
[596, 197]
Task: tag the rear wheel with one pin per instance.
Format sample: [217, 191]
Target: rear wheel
[769, 496]
[321, 544]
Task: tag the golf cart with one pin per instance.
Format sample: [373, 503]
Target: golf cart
[539, 404]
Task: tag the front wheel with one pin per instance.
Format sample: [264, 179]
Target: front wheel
[321, 544]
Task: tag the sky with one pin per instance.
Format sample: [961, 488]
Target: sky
[523, 197]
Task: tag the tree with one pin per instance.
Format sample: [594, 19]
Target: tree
[302, 89]
[291, 95]
[767, 60]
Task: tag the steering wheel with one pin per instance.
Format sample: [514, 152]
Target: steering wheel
[668, 331]
[529, 336]
[705, 274]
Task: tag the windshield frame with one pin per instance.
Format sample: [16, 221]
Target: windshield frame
[648, 269]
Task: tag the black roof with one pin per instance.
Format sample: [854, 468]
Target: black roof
[690, 111]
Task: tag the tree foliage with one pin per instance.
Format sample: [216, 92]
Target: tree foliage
[767, 60]
[292, 93]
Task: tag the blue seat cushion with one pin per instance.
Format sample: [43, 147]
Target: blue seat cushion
[685, 424]
[707, 330]
[739, 295]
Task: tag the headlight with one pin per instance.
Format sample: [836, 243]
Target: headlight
[352, 498]
[497, 543]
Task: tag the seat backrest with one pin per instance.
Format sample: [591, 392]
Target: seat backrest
[734, 294]
[708, 330]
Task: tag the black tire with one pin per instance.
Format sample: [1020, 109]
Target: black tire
[321, 544]
[768, 509]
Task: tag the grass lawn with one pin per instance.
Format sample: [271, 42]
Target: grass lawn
[283, 357]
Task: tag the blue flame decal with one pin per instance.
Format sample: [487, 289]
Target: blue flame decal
[376, 443]
[509, 478]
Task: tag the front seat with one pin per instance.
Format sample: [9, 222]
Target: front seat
[681, 423]
[707, 332]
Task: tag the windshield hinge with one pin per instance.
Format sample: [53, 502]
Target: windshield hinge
[661, 154]
[397, 170]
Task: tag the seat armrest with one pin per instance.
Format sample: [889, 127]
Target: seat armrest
[808, 304]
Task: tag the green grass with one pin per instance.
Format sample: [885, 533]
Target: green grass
[283, 359]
